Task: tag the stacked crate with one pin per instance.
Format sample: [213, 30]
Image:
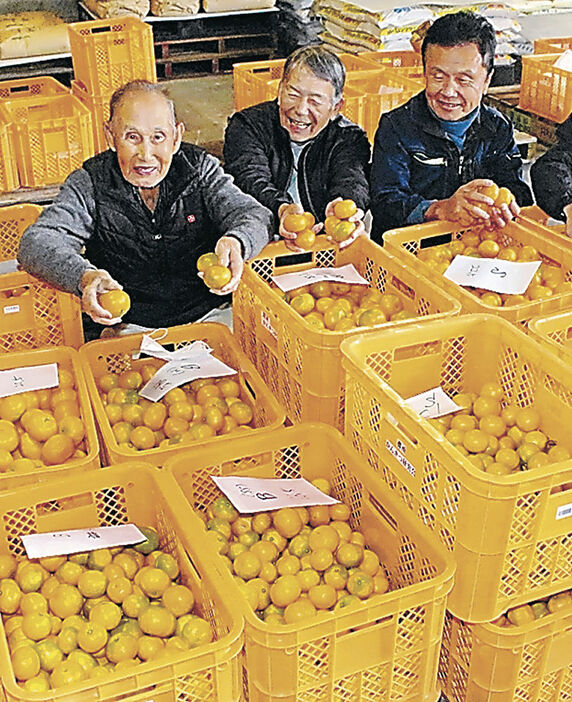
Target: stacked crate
[45, 133]
[106, 54]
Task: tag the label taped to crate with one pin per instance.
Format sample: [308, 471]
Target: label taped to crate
[10, 266]
[343, 274]
[264, 494]
[184, 365]
[507, 277]
[394, 451]
[28, 378]
[564, 511]
[60, 543]
[432, 403]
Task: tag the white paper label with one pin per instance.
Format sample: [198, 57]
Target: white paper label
[175, 373]
[564, 511]
[508, 277]
[432, 403]
[343, 274]
[11, 309]
[263, 494]
[29, 378]
[150, 347]
[60, 543]
[409, 467]
[10, 266]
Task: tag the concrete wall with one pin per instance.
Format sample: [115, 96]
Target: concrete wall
[64, 8]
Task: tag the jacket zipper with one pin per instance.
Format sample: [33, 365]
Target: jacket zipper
[302, 176]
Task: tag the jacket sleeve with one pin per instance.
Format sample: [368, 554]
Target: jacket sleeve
[350, 176]
[506, 166]
[246, 159]
[51, 247]
[392, 199]
[235, 213]
[551, 178]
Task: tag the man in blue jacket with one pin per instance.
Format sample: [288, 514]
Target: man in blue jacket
[433, 156]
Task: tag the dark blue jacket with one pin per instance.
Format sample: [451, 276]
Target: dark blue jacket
[415, 161]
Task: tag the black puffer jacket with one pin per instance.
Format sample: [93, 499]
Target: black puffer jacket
[257, 153]
[552, 174]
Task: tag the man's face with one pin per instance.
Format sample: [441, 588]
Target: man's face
[456, 80]
[145, 138]
[306, 104]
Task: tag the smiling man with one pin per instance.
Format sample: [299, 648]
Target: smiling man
[434, 156]
[140, 214]
[298, 153]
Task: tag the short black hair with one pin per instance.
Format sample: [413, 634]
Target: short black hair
[458, 28]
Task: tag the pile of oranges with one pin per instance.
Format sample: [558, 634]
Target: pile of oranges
[193, 412]
[301, 225]
[499, 438]
[87, 615]
[525, 614]
[293, 563]
[42, 428]
[547, 281]
[341, 306]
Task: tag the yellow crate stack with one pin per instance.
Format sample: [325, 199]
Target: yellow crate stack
[545, 89]
[387, 648]
[106, 54]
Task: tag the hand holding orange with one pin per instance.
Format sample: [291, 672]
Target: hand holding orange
[117, 302]
[215, 276]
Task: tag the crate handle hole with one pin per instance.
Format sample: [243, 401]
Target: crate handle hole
[99, 30]
[435, 240]
[20, 89]
[293, 259]
[383, 513]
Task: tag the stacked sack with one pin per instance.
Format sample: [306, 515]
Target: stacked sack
[118, 8]
[32, 34]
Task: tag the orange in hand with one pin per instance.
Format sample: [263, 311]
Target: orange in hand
[115, 301]
[217, 276]
[298, 222]
[345, 209]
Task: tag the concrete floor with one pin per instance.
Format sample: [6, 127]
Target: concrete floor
[204, 105]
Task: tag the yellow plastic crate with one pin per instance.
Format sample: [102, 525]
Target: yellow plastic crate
[131, 493]
[68, 359]
[33, 314]
[545, 89]
[302, 365]
[52, 136]
[551, 45]
[504, 532]
[487, 662]
[385, 650]
[381, 92]
[14, 220]
[107, 53]
[553, 249]
[555, 333]
[257, 81]
[116, 355]
[8, 169]
[35, 86]
[99, 110]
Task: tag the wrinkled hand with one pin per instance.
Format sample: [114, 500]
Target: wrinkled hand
[465, 206]
[92, 284]
[501, 216]
[568, 213]
[290, 237]
[357, 219]
[229, 254]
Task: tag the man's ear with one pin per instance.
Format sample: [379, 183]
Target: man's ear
[179, 131]
[108, 136]
[338, 107]
[488, 81]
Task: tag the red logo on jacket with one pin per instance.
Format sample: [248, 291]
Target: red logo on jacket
[191, 218]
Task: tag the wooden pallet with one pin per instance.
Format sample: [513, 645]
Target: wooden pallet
[505, 100]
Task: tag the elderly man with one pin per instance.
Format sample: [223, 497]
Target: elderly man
[552, 177]
[140, 214]
[435, 157]
[297, 153]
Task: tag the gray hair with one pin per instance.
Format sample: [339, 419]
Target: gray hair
[322, 63]
[139, 86]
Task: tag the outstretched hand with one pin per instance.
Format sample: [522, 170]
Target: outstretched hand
[92, 284]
